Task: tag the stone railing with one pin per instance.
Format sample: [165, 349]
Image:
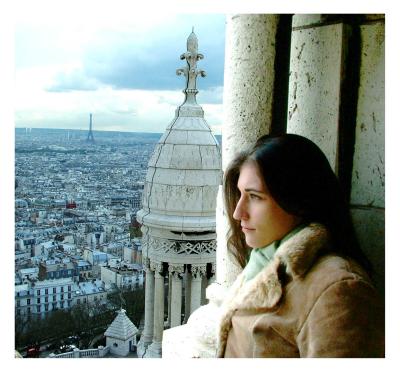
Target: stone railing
[100, 352]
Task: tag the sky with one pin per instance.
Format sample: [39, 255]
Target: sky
[122, 69]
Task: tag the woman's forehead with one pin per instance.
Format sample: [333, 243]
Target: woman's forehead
[250, 177]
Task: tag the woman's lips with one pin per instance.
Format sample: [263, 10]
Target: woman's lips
[246, 229]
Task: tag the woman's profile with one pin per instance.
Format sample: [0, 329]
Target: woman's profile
[305, 289]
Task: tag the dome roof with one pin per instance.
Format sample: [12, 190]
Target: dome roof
[121, 328]
[184, 172]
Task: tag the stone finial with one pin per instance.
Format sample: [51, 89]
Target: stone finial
[190, 71]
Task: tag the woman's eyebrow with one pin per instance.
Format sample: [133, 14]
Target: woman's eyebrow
[254, 190]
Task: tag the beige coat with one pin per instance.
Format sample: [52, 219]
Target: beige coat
[305, 303]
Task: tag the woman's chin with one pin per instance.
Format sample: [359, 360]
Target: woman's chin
[251, 243]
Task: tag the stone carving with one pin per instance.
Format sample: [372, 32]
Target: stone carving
[190, 71]
[198, 270]
[146, 263]
[156, 266]
[176, 270]
[181, 247]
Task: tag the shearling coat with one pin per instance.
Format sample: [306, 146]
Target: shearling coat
[306, 302]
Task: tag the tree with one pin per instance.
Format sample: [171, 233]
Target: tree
[133, 303]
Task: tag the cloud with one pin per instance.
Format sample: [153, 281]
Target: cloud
[127, 59]
[122, 72]
[73, 80]
[148, 67]
[212, 95]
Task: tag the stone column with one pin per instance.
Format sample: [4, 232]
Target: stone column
[317, 69]
[197, 272]
[368, 178]
[188, 284]
[169, 299]
[149, 305]
[211, 279]
[248, 80]
[175, 300]
[154, 350]
[204, 284]
[248, 98]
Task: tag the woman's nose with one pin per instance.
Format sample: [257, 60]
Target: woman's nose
[240, 212]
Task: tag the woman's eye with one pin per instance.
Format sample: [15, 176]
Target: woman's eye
[253, 196]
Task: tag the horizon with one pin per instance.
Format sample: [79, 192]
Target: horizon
[95, 130]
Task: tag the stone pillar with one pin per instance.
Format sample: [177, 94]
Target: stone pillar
[248, 80]
[154, 350]
[188, 284]
[149, 306]
[204, 284]
[248, 98]
[368, 178]
[197, 271]
[175, 300]
[317, 68]
[211, 279]
[169, 299]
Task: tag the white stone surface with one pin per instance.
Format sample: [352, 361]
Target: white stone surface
[300, 20]
[148, 331]
[176, 300]
[198, 338]
[227, 268]
[187, 222]
[314, 86]
[368, 179]
[177, 343]
[178, 205]
[120, 334]
[177, 137]
[155, 346]
[195, 299]
[369, 224]
[122, 327]
[186, 157]
[210, 157]
[248, 80]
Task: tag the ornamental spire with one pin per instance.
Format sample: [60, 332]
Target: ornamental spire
[190, 71]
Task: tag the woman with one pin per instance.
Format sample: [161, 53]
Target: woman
[305, 289]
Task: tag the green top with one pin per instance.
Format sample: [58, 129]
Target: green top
[259, 257]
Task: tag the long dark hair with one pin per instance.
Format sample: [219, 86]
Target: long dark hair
[299, 178]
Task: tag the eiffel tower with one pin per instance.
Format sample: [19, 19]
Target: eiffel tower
[90, 137]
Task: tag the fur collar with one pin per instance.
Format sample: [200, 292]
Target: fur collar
[264, 291]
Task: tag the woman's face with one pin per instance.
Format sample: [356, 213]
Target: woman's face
[262, 220]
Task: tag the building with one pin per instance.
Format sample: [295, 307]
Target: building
[121, 335]
[178, 214]
[40, 297]
[57, 268]
[122, 276]
[83, 268]
[90, 293]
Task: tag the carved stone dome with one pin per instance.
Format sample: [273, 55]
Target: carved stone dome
[184, 172]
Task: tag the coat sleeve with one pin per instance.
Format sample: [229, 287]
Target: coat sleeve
[346, 320]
